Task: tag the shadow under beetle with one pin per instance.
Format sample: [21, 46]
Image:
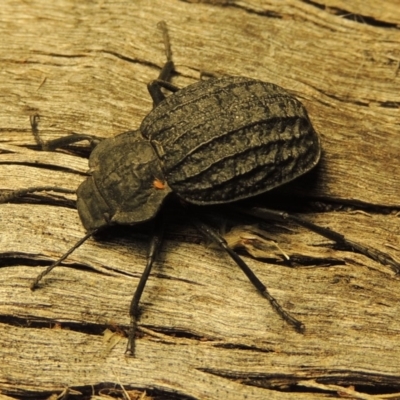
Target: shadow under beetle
[214, 142]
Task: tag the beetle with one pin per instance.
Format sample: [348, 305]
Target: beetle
[216, 141]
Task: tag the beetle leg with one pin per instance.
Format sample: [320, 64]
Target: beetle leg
[154, 88]
[134, 310]
[47, 146]
[52, 145]
[6, 197]
[215, 237]
[163, 80]
[370, 252]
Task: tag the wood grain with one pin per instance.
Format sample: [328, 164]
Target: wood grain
[206, 333]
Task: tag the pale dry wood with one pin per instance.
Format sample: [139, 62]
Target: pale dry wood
[84, 68]
[358, 10]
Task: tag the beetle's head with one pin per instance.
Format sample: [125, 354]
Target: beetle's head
[126, 183]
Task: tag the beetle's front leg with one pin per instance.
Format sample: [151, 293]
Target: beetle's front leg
[54, 144]
[48, 146]
[134, 312]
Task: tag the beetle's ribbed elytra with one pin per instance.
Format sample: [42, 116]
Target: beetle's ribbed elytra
[216, 141]
[226, 139]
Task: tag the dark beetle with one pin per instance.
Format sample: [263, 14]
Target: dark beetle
[213, 142]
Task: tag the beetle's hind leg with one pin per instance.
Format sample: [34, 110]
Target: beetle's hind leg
[54, 144]
[262, 289]
[370, 252]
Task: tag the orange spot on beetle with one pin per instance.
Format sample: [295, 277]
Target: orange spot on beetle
[159, 184]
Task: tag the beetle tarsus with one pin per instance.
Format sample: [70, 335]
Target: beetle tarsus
[130, 348]
[295, 323]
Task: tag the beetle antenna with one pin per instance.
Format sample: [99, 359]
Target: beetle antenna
[215, 237]
[35, 283]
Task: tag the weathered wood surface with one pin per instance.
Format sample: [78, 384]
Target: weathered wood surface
[206, 333]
